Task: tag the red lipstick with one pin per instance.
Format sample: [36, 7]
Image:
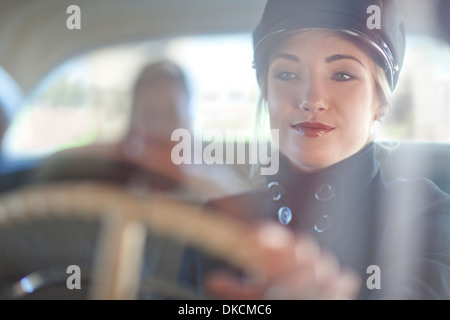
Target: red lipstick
[312, 129]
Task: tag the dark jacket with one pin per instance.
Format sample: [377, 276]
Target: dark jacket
[401, 228]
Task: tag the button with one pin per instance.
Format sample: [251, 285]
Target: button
[325, 192]
[276, 190]
[284, 215]
[323, 223]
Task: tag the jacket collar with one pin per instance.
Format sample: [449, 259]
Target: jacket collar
[311, 196]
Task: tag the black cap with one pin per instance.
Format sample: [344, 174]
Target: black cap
[350, 16]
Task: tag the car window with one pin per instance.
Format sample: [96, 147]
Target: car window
[420, 102]
[87, 99]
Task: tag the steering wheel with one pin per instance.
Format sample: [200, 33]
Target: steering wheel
[125, 218]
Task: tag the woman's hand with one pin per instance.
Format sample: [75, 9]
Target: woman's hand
[285, 266]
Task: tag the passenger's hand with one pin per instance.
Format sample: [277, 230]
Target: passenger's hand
[285, 266]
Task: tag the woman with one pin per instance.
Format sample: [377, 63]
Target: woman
[326, 69]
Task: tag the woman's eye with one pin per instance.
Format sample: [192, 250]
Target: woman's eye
[285, 76]
[342, 76]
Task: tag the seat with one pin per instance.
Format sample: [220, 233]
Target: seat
[416, 160]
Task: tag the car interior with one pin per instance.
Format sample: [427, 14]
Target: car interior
[66, 81]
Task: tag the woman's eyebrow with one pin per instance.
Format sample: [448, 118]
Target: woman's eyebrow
[286, 56]
[337, 57]
[329, 59]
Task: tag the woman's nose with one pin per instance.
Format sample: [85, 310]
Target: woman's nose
[312, 107]
[313, 98]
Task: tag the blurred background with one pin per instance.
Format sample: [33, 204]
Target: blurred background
[65, 88]
[62, 88]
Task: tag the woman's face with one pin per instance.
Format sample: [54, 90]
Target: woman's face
[321, 96]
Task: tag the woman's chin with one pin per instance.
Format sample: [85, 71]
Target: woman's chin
[310, 165]
[312, 159]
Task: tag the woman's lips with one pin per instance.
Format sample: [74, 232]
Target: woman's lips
[312, 129]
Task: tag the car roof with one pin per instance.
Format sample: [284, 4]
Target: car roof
[34, 37]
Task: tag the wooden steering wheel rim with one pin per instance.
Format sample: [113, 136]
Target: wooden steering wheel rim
[126, 217]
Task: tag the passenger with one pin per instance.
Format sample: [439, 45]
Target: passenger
[326, 71]
[160, 104]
